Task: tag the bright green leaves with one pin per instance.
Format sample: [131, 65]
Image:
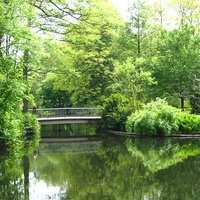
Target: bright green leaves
[52, 97]
[132, 80]
[15, 37]
[11, 92]
[116, 109]
[159, 118]
[188, 123]
[177, 62]
[91, 53]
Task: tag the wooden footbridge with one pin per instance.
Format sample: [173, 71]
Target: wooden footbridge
[67, 115]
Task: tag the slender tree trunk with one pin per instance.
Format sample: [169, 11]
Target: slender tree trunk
[26, 176]
[25, 76]
[138, 36]
[139, 53]
[160, 12]
[182, 103]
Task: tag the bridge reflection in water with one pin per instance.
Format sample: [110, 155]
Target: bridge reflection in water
[67, 115]
[70, 130]
[58, 148]
[70, 146]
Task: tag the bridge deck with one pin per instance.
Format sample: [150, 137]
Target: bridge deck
[67, 115]
[68, 120]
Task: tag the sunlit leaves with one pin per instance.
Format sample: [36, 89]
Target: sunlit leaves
[131, 79]
[90, 55]
[177, 62]
[14, 36]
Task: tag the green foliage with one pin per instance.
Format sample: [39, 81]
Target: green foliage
[159, 118]
[195, 95]
[32, 126]
[15, 36]
[195, 103]
[156, 118]
[31, 134]
[90, 52]
[175, 63]
[115, 112]
[99, 56]
[11, 93]
[188, 123]
[51, 96]
[131, 80]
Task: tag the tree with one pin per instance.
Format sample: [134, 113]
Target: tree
[195, 95]
[187, 12]
[138, 23]
[13, 31]
[176, 63]
[18, 46]
[90, 54]
[131, 80]
[52, 97]
[54, 16]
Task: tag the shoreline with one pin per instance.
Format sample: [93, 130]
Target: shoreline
[134, 135]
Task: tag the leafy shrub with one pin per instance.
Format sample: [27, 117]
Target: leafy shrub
[32, 127]
[156, 118]
[20, 130]
[159, 118]
[11, 127]
[195, 103]
[115, 112]
[31, 134]
[188, 123]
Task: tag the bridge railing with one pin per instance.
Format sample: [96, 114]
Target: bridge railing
[66, 112]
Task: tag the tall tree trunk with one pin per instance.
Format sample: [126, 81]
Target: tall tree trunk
[182, 103]
[26, 176]
[25, 76]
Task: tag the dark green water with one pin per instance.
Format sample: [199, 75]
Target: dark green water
[112, 168]
[69, 130]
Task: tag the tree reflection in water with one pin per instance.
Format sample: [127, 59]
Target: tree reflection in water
[124, 169]
[113, 168]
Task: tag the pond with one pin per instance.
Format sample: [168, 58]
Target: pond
[106, 167]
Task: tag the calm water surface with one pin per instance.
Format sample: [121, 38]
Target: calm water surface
[111, 168]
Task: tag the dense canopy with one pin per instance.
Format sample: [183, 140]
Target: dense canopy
[82, 53]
